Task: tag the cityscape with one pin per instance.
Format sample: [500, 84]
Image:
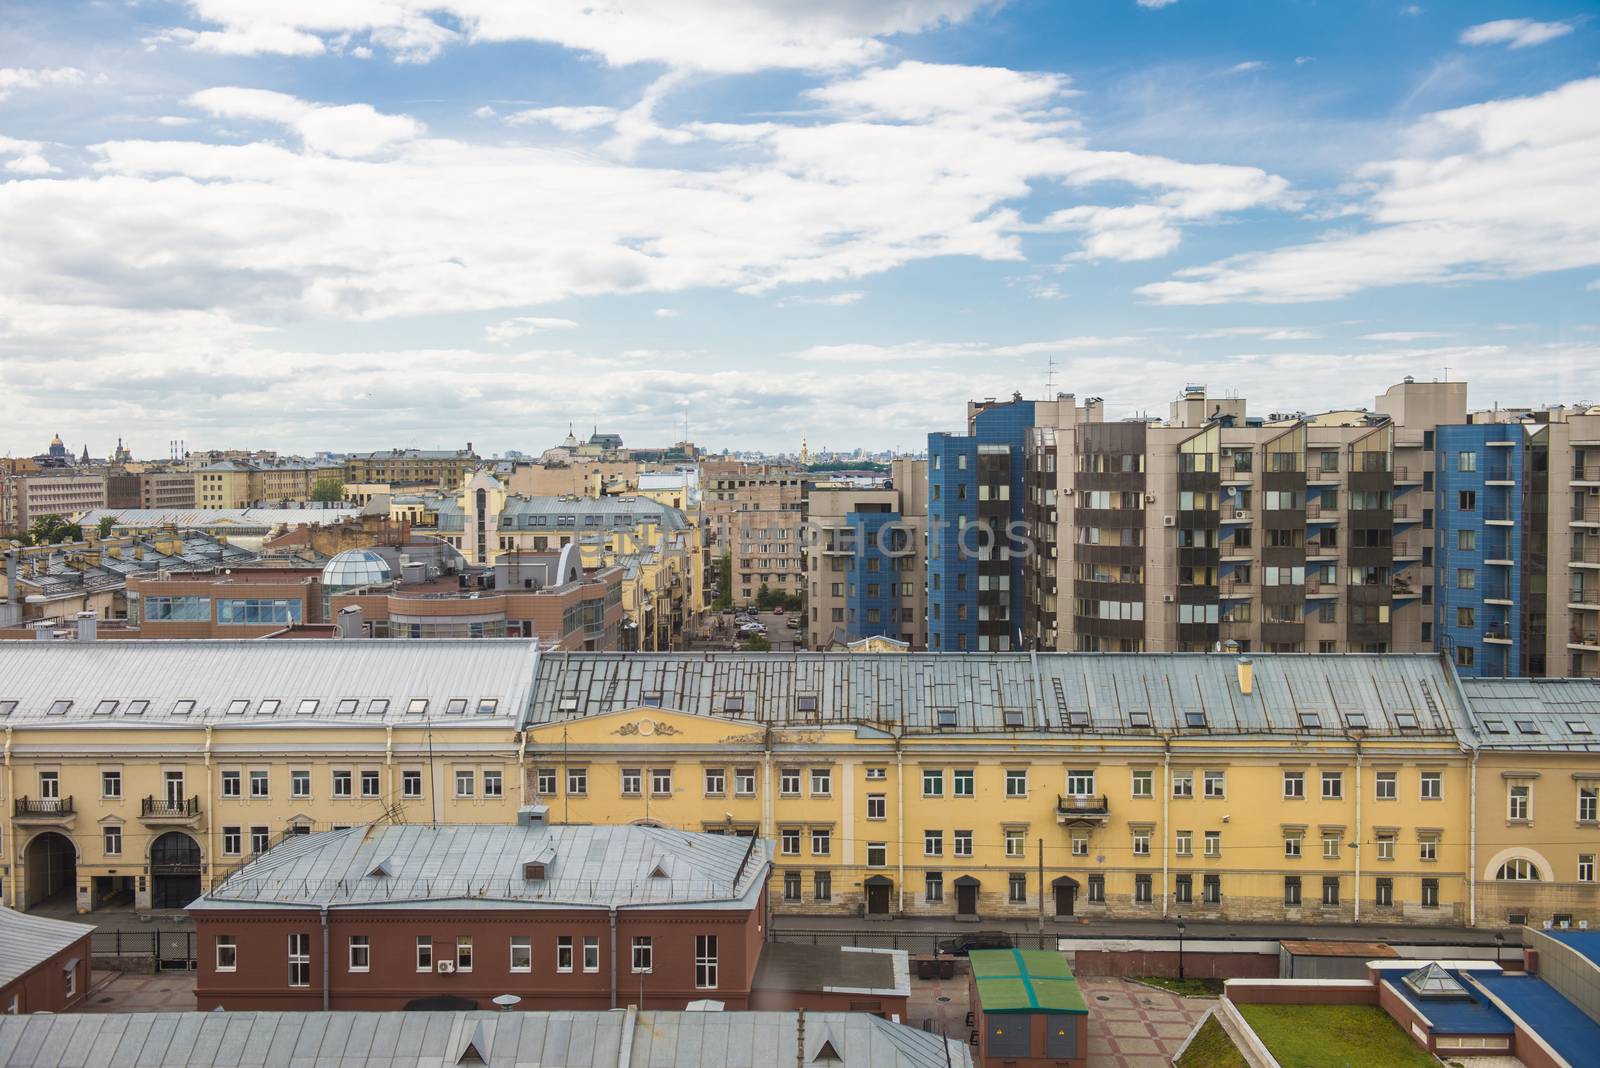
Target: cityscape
[936, 534]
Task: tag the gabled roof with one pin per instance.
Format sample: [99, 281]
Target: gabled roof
[1533, 714]
[28, 941]
[1025, 981]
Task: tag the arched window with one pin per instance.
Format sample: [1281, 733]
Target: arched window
[1518, 870]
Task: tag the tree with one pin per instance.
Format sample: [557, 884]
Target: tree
[757, 643]
[103, 529]
[724, 599]
[328, 489]
[53, 530]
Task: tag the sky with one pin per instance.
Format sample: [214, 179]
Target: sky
[363, 224]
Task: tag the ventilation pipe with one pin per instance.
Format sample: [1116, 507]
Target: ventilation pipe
[1247, 675]
[349, 623]
[88, 628]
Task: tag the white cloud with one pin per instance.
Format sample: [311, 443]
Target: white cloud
[1157, 4]
[1249, 65]
[525, 326]
[1518, 33]
[921, 92]
[828, 300]
[571, 119]
[1411, 9]
[340, 130]
[484, 112]
[175, 120]
[1265, 333]
[14, 78]
[1503, 189]
[667, 313]
[709, 35]
[1404, 335]
[27, 157]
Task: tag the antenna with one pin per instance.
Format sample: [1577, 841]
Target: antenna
[1050, 379]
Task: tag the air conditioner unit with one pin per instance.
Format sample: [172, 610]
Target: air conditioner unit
[1149, 498]
[446, 967]
[1169, 520]
[1241, 515]
[1167, 598]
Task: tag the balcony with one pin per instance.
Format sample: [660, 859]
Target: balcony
[1408, 549]
[1404, 513]
[1317, 588]
[1076, 810]
[1586, 474]
[1404, 591]
[1408, 476]
[1498, 593]
[1500, 635]
[1499, 475]
[1500, 515]
[1319, 510]
[161, 811]
[44, 811]
[1586, 514]
[1315, 549]
[1585, 555]
[1585, 640]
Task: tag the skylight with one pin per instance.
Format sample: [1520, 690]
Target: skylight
[1528, 726]
[346, 707]
[60, 708]
[1358, 720]
[1139, 718]
[378, 706]
[237, 707]
[947, 717]
[1578, 726]
[1310, 721]
[417, 706]
[308, 707]
[1078, 718]
[269, 707]
[569, 703]
[105, 708]
[652, 698]
[1195, 719]
[455, 706]
[1406, 721]
[7, 707]
[807, 702]
[1013, 717]
[1495, 726]
[183, 707]
[487, 706]
[734, 702]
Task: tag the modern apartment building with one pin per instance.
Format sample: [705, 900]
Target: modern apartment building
[67, 492]
[866, 559]
[755, 514]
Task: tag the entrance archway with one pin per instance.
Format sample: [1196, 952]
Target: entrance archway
[1066, 891]
[52, 871]
[966, 896]
[174, 871]
[878, 888]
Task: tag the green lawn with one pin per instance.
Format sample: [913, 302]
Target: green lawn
[1212, 1048]
[1187, 988]
[1334, 1036]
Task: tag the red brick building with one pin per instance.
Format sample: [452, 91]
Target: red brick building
[386, 917]
[44, 963]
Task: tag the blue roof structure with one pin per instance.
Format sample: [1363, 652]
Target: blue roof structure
[1561, 1024]
[1586, 943]
[1468, 1015]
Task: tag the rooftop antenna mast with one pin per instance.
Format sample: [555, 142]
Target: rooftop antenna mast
[1050, 379]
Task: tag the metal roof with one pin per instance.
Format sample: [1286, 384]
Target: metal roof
[483, 866]
[216, 518]
[1025, 981]
[1533, 714]
[28, 941]
[617, 1039]
[1083, 693]
[365, 682]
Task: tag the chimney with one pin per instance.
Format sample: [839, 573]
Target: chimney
[1247, 678]
[533, 815]
[87, 627]
[44, 632]
[349, 623]
[13, 594]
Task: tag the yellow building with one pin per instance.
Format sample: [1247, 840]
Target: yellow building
[437, 467]
[244, 484]
[141, 772]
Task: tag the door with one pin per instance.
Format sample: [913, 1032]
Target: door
[175, 789]
[1065, 893]
[966, 900]
[174, 871]
[878, 900]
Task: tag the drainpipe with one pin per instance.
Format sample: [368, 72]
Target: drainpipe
[211, 814]
[1472, 846]
[1166, 833]
[900, 817]
[766, 787]
[613, 956]
[324, 911]
[1357, 891]
[11, 791]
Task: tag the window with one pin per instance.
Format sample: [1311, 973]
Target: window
[933, 843]
[789, 841]
[877, 855]
[1184, 843]
[1466, 616]
[1141, 889]
[232, 841]
[716, 782]
[411, 783]
[932, 782]
[876, 807]
[821, 782]
[1428, 849]
[299, 960]
[1017, 888]
[744, 782]
[227, 953]
[111, 840]
[644, 959]
[521, 956]
[1518, 870]
[493, 784]
[341, 784]
[258, 784]
[1080, 845]
[823, 890]
[1466, 578]
[1430, 893]
[1291, 844]
[1143, 784]
[821, 841]
[260, 839]
[230, 784]
[961, 843]
[1294, 785]
[1016, 841]
[632, 782]
[1586, 867]
[961, 782]
[1211, 890]
[1467, 541]
[577, 782]
[789, 782]
[1432, 786]
[1291, 891]
[1141, 843]
[464, 953]
[877, 774]
[1332, 785]
[1213, 843]
[791, 886]
[564, 953]
[1518, 799]
[1587, 800]
[1330, 846]
[705, 962]
[299, 783]
[1183, 889]
[1080, 783]
[1385, 893]
[591, 953]
[1016, 782]
[360, 953]
[111, 785]
[1385, 847]
[464, 782]
[1466, 461]
[1183, 784]
[1097, 889]
[1330, 889]
[1386, 785]
[1215, 784]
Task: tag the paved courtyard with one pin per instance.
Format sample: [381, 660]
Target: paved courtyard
[126, 992]
[1135, 1026]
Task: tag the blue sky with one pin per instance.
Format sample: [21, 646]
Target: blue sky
[345, 224]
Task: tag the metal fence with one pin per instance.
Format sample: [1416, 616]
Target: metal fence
[912, 941]
[165, 949]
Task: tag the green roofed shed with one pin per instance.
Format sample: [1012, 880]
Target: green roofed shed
[1025, 981]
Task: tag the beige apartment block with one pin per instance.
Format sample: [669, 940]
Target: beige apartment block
[66, 492]
[860, 583]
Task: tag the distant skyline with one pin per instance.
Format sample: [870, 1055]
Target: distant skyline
[427, 222]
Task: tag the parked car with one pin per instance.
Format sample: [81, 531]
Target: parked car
[793, 623]
[960, 947]
[778, 611]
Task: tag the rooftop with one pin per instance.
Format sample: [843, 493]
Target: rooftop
[1560, 1023]
[1025, 981]
[618, 1039]
[1585, 943]
[28, 941]
[834, 969]
[227, 683]
[239, 519]
[497, 867]
[1535, 714]
[1444, 998]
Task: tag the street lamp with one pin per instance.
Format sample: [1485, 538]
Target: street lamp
[1499, 947]
[1180, 949]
